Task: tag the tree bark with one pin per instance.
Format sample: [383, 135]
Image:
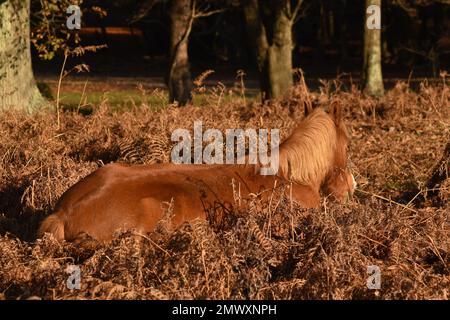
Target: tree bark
[18, 88]
[179, 78]
[372, 76]
[269, 31]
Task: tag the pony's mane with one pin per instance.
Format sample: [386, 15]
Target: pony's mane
[307, 155]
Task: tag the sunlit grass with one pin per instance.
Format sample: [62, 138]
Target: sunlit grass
[122, 99]
[127, 99]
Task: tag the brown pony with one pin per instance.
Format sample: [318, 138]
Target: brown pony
[119, 196]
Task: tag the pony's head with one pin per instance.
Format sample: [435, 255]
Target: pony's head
[316, 154]
[339, 183]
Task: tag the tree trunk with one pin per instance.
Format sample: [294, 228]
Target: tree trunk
[18, 88]
[257, 40]
[372, 77]
[279, 57]
[269, 30]
[179, 78]
[342, 30]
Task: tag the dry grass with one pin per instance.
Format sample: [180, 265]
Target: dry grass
[270, 251]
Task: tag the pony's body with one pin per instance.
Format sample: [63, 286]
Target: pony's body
[131, 197]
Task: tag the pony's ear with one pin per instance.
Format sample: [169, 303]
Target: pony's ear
[308, 108]
[336, 112]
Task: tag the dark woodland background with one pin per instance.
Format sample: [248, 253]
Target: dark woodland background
[327, 38]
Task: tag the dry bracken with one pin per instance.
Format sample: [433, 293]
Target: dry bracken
[273, 250]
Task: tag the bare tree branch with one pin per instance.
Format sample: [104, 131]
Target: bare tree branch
[293, 14]
[203, 14]
[143, 10]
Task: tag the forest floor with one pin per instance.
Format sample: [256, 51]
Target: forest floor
[392, 222]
